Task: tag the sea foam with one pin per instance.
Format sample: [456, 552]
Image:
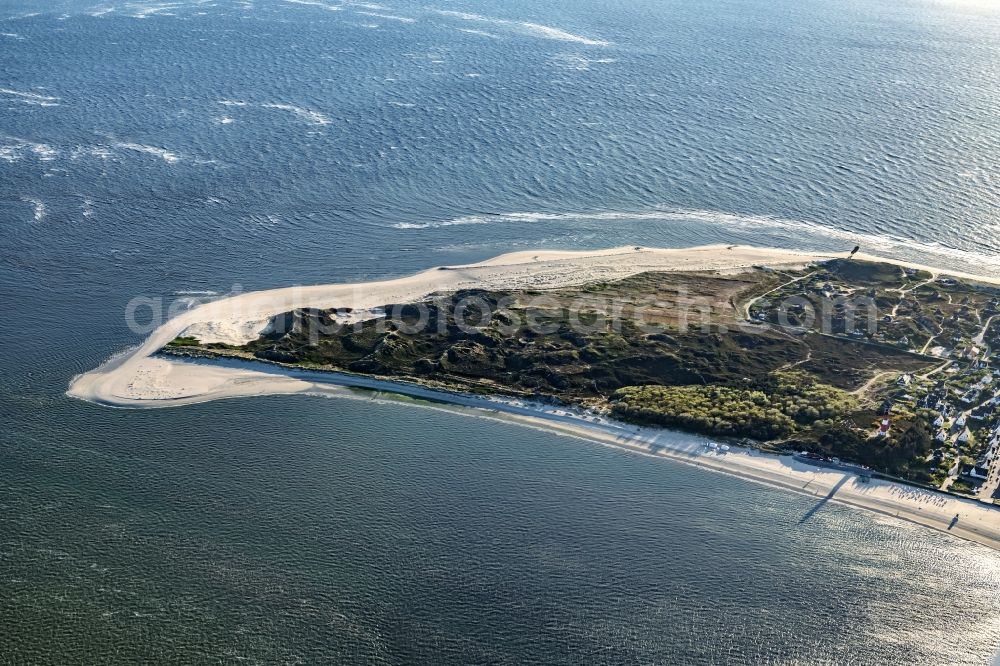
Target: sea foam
[315, 3]
[524, 27]
[32, 98]
[39, 207]
[314, 117]
[930, 253]
[388, 17]
[162, 153]
[21, 148]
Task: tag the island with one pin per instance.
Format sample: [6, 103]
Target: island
[832, 364]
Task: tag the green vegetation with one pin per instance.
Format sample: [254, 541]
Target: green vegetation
[188, 342]
[964, 486]
[902, 454]
[184, 342]
[867, 273]
[700, 368]
[781, 405]
[880, 303]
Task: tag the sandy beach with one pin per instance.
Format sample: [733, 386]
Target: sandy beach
[975, 522]
[137, 379]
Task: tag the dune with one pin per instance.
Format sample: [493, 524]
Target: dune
[140, 379]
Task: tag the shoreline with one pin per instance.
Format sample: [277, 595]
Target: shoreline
[139, 378]
[978, 522]
[135, 379]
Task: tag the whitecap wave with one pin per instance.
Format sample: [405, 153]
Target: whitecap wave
[35, 99]
[101, 152]
[482, 33]
[932, 253]
[524, 27]
[43, 151]
[264, 219]
[549, 32]
[316, 3]
[141, 11]
[578, 62]
[22, 148]
[388, 17]
[162, 153]
[314, 117]
[18, 149]
[40, 211]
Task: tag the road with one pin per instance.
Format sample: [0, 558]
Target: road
[991, 483]
[982, 334]
[749, 304]
[903, 291]
[864, 388]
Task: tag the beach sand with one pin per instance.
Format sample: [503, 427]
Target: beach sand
[137, 379]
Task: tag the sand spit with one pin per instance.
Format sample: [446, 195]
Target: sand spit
[137, 380]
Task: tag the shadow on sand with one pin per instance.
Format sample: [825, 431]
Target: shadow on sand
[829, 496]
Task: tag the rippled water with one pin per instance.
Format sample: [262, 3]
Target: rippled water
[157, 148]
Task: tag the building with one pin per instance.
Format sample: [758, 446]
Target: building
[976, 473]
[983, 412]
[971, 396]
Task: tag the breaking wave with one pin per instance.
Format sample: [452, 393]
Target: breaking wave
[40, 209]
[523, 27]
[925, 252]
[35, 99]
[21, 148]
[314, 117]
[162, 153]
[18, 149]
[316, 3]
[388, 17]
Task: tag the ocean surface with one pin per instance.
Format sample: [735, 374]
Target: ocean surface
[171, 150]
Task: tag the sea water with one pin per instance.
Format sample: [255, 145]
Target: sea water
[165, 149]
